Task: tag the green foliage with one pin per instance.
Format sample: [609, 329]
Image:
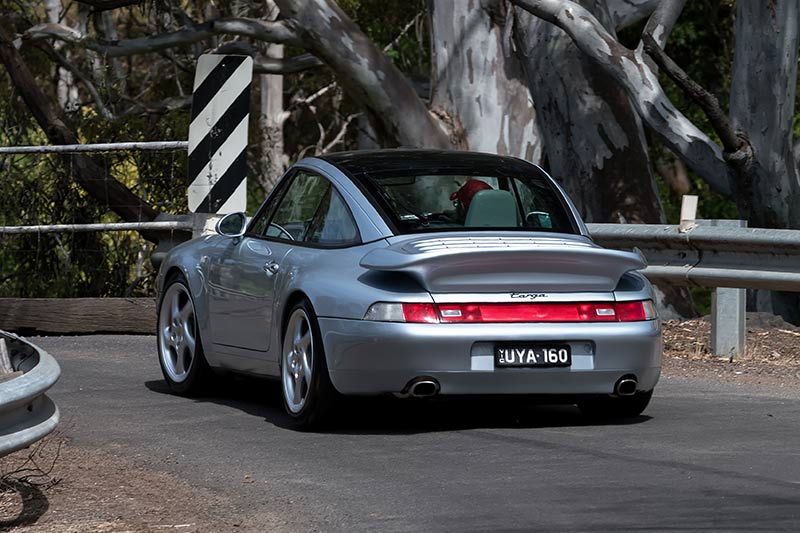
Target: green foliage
[38, 189]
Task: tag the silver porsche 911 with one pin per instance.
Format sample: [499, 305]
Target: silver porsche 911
[414, 273]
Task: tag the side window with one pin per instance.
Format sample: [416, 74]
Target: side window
[298, 206]
[310, 210]
[332, 225]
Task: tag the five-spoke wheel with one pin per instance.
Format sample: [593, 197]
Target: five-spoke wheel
[307, 390]
[179, 351]
[298, 360]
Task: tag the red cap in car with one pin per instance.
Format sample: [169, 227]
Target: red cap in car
[468, 190]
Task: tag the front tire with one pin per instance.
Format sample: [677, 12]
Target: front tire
[308, 394]
[180, 350]
[609, 407]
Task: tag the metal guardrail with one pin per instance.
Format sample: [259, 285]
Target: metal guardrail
[26, 413]
[711, 256]
[164, 225]
[101, 147]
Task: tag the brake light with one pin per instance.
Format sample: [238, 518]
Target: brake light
[428, 313]
[424, 313]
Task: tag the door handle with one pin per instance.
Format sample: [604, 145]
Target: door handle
[271, 267]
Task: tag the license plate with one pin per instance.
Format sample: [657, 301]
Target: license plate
[532, 355]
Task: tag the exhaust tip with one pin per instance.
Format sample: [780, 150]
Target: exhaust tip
[423, 388]
[626, 386]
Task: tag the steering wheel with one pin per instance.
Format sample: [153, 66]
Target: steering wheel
[282, 230]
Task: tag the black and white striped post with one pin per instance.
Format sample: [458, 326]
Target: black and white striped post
[218, 136]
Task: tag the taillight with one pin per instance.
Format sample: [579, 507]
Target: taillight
[507, 312]
[423, 313]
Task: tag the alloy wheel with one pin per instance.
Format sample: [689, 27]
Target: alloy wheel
[177, 332]
[298, 360]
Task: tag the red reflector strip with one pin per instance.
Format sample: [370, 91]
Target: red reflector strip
[525, 312]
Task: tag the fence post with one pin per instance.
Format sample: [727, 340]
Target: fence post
[727, 310]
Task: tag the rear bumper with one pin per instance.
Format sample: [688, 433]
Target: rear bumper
[378, 357]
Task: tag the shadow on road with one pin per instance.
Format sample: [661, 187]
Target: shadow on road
[389, 415]
[25, 501]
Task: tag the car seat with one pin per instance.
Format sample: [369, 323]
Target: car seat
[492, 208]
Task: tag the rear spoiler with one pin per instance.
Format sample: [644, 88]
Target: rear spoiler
[504, 264]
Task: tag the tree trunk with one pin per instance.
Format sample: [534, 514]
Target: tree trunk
[66, 91]
[762, 106]
[594, 139]
[272, 115]
[366, 73]
[479, 85]
[271, 123]
[633, 73]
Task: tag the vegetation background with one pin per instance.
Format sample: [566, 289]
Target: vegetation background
[325, 106]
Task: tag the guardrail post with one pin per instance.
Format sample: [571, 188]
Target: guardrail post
[727, 310]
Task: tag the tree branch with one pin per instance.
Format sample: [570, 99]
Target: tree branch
[155, 108]
[270, 65]
[663, 19]
[365, 72]
[270, 31]
[625, 13]
[707, 101]
[107, 5]
[630, 70]
[98, 101]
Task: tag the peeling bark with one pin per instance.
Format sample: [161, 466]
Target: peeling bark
[366, 73]
[479, 82]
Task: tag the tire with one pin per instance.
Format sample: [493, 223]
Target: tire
[308, 394]
[180, 350]
[615, 406]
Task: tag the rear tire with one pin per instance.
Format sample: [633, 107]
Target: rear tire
[180, 350]
[615, 406]
[308, 394]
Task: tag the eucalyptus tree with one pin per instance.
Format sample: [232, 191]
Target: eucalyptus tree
[546, 80]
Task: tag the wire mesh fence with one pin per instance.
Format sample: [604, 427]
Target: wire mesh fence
[38, 187]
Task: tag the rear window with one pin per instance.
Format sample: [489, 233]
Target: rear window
[457, 201]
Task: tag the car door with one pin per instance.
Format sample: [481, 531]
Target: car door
[243, 279]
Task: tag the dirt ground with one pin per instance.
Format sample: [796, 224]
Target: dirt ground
[771, 358]
[98, 490]
[58, 487]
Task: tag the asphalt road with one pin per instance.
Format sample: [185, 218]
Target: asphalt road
[703, 457]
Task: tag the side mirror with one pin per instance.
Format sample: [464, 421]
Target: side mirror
[539, 219]
[232, 225]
